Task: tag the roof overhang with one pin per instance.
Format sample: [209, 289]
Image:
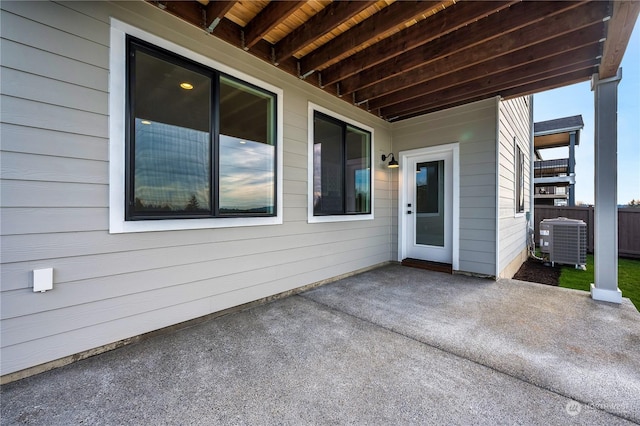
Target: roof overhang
[399, 59]
[556, 140]
[557, 133]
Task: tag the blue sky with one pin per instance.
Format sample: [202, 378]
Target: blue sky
[578, 99]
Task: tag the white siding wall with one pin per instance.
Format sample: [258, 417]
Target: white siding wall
[514, 122]
[55, 75]
[474, 127]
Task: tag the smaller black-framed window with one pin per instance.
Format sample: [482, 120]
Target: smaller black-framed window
[199, 143]
[519, 179]
[341, 167]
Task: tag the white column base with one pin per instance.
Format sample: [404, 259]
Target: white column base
[613, 296]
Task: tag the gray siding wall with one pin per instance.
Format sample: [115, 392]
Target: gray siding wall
[514, 122]
[55, 196]
[474, 127]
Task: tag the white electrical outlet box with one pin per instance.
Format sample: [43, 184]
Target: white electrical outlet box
[42, 279]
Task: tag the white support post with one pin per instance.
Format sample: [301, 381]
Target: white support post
[605, 287]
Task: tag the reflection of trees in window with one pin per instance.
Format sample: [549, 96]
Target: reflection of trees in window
[171, 163]
[142, 205]
[193, 204]
[341, 167]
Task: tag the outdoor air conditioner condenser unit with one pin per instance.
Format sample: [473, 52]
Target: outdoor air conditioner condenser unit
[565, 241]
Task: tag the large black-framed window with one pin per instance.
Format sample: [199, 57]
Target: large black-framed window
[199, 143]
[341, 167]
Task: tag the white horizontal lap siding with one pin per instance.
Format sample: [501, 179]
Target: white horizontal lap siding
[31, 352]
[473, 126]
[55, 196]
[514, 121]
[179, 284]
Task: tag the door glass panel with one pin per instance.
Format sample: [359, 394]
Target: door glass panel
[430, 203]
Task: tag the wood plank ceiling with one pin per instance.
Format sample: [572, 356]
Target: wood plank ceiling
[399, 59]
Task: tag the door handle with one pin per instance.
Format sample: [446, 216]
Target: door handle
[408, 211]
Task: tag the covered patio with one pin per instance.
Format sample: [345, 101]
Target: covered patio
[399, 60]
[389, 345]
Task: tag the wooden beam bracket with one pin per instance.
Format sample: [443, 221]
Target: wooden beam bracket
[357, 102]
[300, 75]
[305, 75]
[213, 25]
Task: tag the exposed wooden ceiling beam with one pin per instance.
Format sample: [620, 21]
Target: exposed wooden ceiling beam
[366, 31]
[435, 64]
[214, 12]
[190, 11]
[565, 45]
[433, 109]
[499, 32]
[465, 52]
[585, 68]
[548, 84]
[620, 26]
[318, 25]
[231, 33]
[524, 75]
[540, 86]
[438, 25]
[268, 18]
[457, 94]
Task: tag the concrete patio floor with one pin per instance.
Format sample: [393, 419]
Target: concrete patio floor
[394, 345]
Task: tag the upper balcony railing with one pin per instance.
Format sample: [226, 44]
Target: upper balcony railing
[556, 191]
[549, 168]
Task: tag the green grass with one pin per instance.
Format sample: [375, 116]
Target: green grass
[628, 278]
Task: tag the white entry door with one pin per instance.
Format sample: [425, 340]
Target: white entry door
[428, 206]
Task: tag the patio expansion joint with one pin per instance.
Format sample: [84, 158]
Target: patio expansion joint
[457, 355]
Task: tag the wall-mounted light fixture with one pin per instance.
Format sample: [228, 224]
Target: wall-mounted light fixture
[393, 164]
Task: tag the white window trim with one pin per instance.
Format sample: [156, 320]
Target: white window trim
[334, 218]
[117, 145]
[404, 158]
